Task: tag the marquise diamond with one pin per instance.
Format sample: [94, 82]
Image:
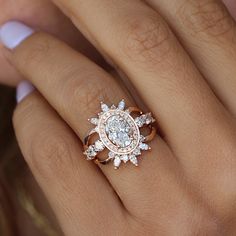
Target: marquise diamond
[90, 152]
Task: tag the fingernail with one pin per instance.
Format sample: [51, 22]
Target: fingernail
[24, 88]
[13, 33]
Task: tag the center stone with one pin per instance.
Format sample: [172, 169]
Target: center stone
[119, 131]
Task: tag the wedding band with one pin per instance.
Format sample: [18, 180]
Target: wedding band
[119, 131]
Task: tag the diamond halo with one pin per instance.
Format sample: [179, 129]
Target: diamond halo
[120, 133]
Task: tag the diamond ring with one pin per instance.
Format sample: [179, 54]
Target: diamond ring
[119, 131]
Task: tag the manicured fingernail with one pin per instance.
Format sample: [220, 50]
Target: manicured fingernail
[13, 33]
[24, 88]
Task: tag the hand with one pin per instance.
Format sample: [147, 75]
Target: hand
[186, 184]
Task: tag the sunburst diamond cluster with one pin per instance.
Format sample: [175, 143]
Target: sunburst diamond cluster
[120, 133]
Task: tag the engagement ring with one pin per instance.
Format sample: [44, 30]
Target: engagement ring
[119, 131]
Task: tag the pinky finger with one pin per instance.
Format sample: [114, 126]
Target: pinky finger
[71, 184]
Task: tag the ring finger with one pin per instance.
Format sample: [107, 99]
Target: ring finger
[71, 184]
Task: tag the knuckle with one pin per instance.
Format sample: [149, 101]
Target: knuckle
[50, 153]
[205, 16]
[88, 95]
[48, 148]
[148, 40]
[100, 93]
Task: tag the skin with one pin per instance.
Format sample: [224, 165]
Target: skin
[186, 184]
[50, 19]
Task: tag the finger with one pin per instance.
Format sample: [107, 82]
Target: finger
[72, 186]
[49, 19]
[207, 30]
[75, 86]
[141, 43]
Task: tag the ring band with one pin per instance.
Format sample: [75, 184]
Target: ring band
[119, 132]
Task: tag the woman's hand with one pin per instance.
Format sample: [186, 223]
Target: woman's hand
[184, 71]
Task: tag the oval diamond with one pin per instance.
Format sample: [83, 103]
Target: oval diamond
[122, 134]
[119, 131]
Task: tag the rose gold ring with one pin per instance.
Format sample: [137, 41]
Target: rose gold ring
[119, 131]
